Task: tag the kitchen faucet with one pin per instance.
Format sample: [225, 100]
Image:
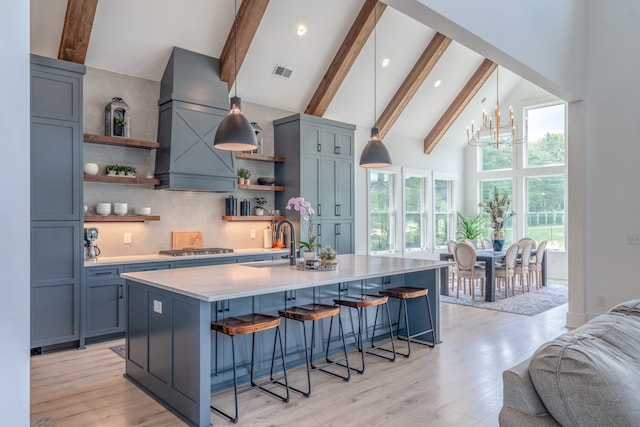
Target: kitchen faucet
[292, 245]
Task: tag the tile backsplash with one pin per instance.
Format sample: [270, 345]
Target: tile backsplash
[178, 210]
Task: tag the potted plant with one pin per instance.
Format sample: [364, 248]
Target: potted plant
[118, 126]
[470, 228]
[243, 176]
[327, 257]
[304, 208]
[111, 170]
[122, 170]
[260, 202]
[499, 209]
[130, 171]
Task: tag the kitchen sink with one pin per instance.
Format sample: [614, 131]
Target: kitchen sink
[262, 264]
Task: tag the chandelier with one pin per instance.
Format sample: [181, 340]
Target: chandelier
[492, 131]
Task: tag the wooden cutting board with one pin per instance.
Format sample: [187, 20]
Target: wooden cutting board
[186, 240]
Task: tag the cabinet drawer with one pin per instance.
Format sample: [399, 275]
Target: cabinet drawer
[103, 273]
[148, 266]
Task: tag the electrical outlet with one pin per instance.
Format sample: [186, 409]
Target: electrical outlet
[157, 306]
[633, 239]
[253, 233]
[127, 238]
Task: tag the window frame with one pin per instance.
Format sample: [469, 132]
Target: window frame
[451, 214]
[393, 213]
[426, 208]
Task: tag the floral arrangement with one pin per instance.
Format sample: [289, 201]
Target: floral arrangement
[305, 209]
[499, 209]
[327, 256]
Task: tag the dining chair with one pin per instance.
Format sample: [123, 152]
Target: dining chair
[505, 272]
[451, 247]
[535, 264]
[522, 266]
[485, 243]
[524, 240]
[468, 269]
[471, 243]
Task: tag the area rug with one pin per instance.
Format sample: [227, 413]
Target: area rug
[120, 350]
[528, 304]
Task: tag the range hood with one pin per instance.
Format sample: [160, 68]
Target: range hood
[193, 101]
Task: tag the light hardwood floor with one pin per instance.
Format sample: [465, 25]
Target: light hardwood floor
[458, 383]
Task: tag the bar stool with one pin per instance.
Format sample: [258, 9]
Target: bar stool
[252, 324]
[359, 303]
[404, 294]
[313, 312]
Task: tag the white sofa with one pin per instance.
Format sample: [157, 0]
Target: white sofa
[587, 377]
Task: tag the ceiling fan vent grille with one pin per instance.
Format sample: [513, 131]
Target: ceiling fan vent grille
[281, 71]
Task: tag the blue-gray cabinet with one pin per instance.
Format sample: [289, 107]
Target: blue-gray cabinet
[56, 201]
[104, 297]
[319, 167]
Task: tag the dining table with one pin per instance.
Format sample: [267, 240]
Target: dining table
[489, 257]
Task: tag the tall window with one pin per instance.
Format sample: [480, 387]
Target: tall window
[487, 190]
[382, 211]
[443, 215]
[546, 146]
[415, 212]
[545, 210]
[496, 158]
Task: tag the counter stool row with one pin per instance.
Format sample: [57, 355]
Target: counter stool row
[256, 323]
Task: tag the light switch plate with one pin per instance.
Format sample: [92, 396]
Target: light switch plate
[157, 306]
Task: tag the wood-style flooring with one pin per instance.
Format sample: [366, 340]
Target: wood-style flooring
[457, 383]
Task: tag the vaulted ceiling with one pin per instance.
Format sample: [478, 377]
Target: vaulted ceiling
[332, 64]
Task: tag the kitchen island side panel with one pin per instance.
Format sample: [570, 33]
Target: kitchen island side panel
[168, 346]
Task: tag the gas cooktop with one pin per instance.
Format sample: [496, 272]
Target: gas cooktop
[199, 251]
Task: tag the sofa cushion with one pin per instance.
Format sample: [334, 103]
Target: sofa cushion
[591, 376]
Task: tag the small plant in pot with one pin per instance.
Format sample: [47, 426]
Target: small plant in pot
[111, 169]
[118, 126]
[122, 170]
[260, 202]
[243, 176]
[327, 256]
[130, 171]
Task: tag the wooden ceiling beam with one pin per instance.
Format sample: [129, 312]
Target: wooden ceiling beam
[459, 104]
[345, 57]
[76, 31]
[236, 46]
[429, 58]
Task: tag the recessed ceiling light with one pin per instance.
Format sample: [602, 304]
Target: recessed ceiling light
[385, 62]
[301, 30]
[437, 83]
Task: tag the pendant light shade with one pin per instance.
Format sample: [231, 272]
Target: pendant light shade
[375, 154]
[235, 132]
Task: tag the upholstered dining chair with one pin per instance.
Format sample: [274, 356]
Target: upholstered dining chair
[522, 266]
[485, 243]
[505, 272]
[535, 264]
[524, 240]
[451, 247]
[471, 243]
[468, 270]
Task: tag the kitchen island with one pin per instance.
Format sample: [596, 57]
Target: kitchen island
[172, 353]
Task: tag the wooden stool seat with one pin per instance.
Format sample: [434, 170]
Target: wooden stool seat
[306, 312]
[404, 292]
[360, 301]
[246, 324]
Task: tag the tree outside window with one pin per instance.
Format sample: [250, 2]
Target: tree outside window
[545, 210]
[415, 212]
[546, 144]
[443, 214]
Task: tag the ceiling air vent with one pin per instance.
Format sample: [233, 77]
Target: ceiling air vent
[281, 71]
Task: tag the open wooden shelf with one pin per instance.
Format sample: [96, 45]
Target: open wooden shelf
[121, 180]
[259, 157]
[252, 218]
[260, 187]
[119, 141]
[121, 218]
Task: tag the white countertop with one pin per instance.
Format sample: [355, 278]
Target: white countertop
[221, 282]
[128, 259]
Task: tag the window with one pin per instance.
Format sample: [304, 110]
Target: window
[496, 158]
[486, 192]
[382, 212]
[545, 210]
[545, 146]
[415, 212]
[443, 215]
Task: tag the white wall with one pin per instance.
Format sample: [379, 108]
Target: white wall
[14, 190]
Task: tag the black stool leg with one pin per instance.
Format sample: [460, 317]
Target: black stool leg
[233, 419]
[409, 337]
[393, 345]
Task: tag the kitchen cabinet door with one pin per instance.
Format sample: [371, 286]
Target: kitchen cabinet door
[105, 305]
[337, 234]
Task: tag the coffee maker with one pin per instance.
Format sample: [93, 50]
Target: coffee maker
[91, 249]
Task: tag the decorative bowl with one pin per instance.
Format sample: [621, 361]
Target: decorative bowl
[143, 211]
[103, 209]
[269, 180]
[120, 208]
[91, 168]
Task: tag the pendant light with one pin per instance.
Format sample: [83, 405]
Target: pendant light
[235, 132]
[375, 154]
